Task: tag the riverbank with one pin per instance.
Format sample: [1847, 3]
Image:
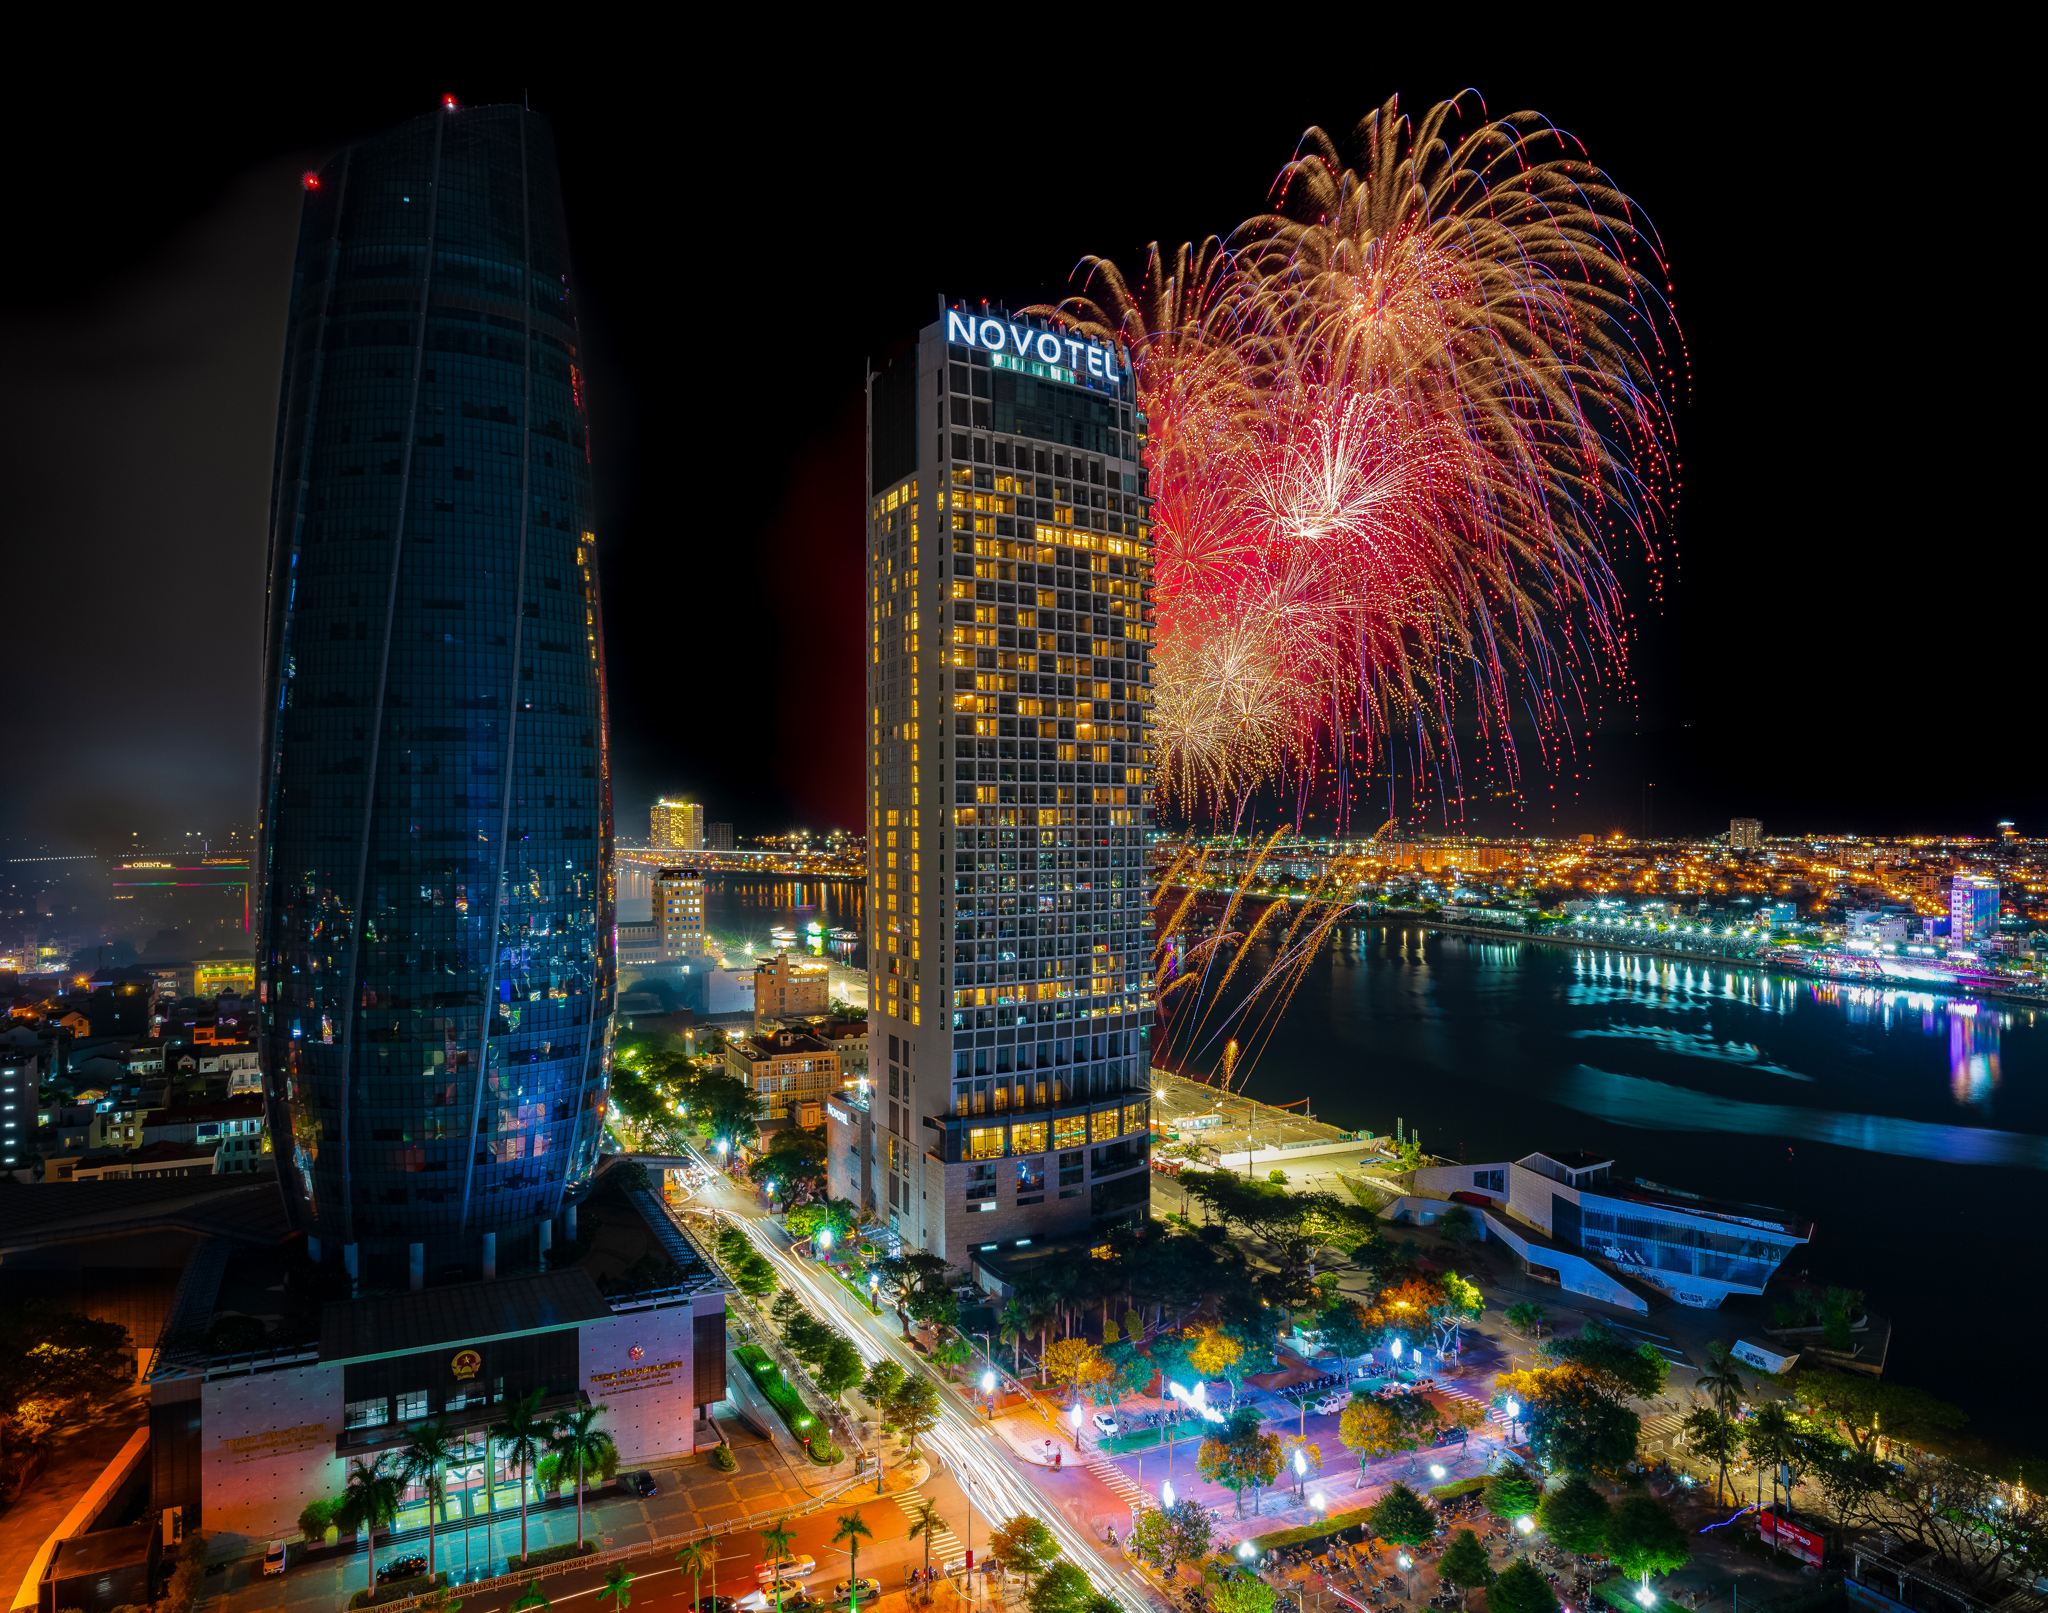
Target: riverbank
[1779, 966]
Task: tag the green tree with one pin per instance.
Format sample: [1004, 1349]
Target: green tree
[574, 1437]
[753, 1276]
[1510, 1493]
[879, 1387]
[1574, 1428]
[776, 1540]
[1644, 1539]
[369, 1502]
[424, 1461]
[1526, 1317]
[1574, 1515]
[1720, 1380]
[1856, 1408]
[618, 1589]
[1181, 1533]
[1023, 1545]
[1370, 1430]
[50, 1356]
[1463, 1564]
[1458, 1226]
[1620, 1369]
[315, 1519]
[521, 1435]
[852, 1530]
[1242, 1594]
[1520, 1589]
[1062, 1588]
[1402, 1517]
[1713, 1435]
[1241, 1457]
[1343, 1329]
[1771, 1439]
[839, 1368]
[914, 1407]
[693, 1559]
[926, 1522]
[531, 1596]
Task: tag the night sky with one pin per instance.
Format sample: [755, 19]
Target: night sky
[1843, 645]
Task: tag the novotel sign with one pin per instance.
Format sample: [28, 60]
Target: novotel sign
[1003, 336]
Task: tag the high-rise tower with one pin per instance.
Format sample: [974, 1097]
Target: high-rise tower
[1010, 694]
[436, 961]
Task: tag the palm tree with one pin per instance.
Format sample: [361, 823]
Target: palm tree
[853, 1529]
[522, 1434]
[777, 1537]
[573, 1434]
[369, 1502]
[424, 1462]
[1719, 1380]
[693, 1559]
[1012, 1325]
[618, 1589]
[927, 1522]
[1773, 1436]
[531, 1597]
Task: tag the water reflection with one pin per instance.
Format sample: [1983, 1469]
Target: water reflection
[751, 916]
[1972, 1053]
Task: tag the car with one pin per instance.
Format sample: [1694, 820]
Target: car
[801, 1566]
[401, 1568]
[868, 1589]
[643, 1484]
[273, 1559]
[717, 1604]
[1106, 1425]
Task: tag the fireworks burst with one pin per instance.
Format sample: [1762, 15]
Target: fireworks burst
[1395, 424]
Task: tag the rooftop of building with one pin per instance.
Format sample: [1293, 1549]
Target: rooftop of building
[468, 1313]
[774, 1044]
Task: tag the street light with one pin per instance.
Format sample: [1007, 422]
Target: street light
[1166, 1496]
[1436, 1471]
[988, 1388]
[1075, 1413]
[1526, 1524]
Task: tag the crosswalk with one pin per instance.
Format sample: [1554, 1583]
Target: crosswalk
[1118, 1480]
[946, 1547]
[1458, 1391]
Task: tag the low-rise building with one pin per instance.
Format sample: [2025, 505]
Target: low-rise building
[789, 1072]
[791, 985]
[232, 1127]
[1572, 1222]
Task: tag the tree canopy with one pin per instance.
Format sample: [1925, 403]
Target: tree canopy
[1520, 1589]
[1644, 1538]
[1402, 1517]
[1575, 1516]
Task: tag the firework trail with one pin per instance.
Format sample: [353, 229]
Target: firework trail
[1395, 424]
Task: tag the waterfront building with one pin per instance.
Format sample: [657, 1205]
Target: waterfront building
[435, 964]
[1745, 834]
[1009, 762]
[1972, 907]
[679, 911]
[676, 826]
[718, 837]
[1574, 1223]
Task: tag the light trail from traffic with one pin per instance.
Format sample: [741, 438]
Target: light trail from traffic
[970, 1449]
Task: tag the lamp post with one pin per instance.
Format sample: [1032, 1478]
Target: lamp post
[1408, 1572]
[1513, 1408]
[1075, 1413]
[874, 1293]
[988, 1388]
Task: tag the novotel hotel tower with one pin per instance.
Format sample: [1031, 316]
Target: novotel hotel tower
[436, 961]
[1009, 758]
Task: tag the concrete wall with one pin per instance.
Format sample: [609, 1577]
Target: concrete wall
[639, 1364]
[267, 1448]
[1576, 1274]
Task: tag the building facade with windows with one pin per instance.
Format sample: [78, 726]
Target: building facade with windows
[435, 966]
[676, 826]
[1557, 1210]
[1009, 762]
[679, 911]
[790, 1072]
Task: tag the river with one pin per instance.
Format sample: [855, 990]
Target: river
[1912, 1128]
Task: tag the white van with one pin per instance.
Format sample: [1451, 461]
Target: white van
[792, 1568]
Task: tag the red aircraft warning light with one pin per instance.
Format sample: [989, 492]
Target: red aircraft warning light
[312, 181]
[449, 102]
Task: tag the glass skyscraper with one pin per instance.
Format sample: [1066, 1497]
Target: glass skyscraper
[436, 963]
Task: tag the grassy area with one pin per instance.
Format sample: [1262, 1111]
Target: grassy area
[788, 1404]
[1310, 1531]
[1447, 1492]
[1123, 1444]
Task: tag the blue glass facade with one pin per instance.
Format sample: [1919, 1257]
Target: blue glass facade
[436, 961]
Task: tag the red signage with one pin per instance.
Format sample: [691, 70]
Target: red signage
[1788, 1536]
